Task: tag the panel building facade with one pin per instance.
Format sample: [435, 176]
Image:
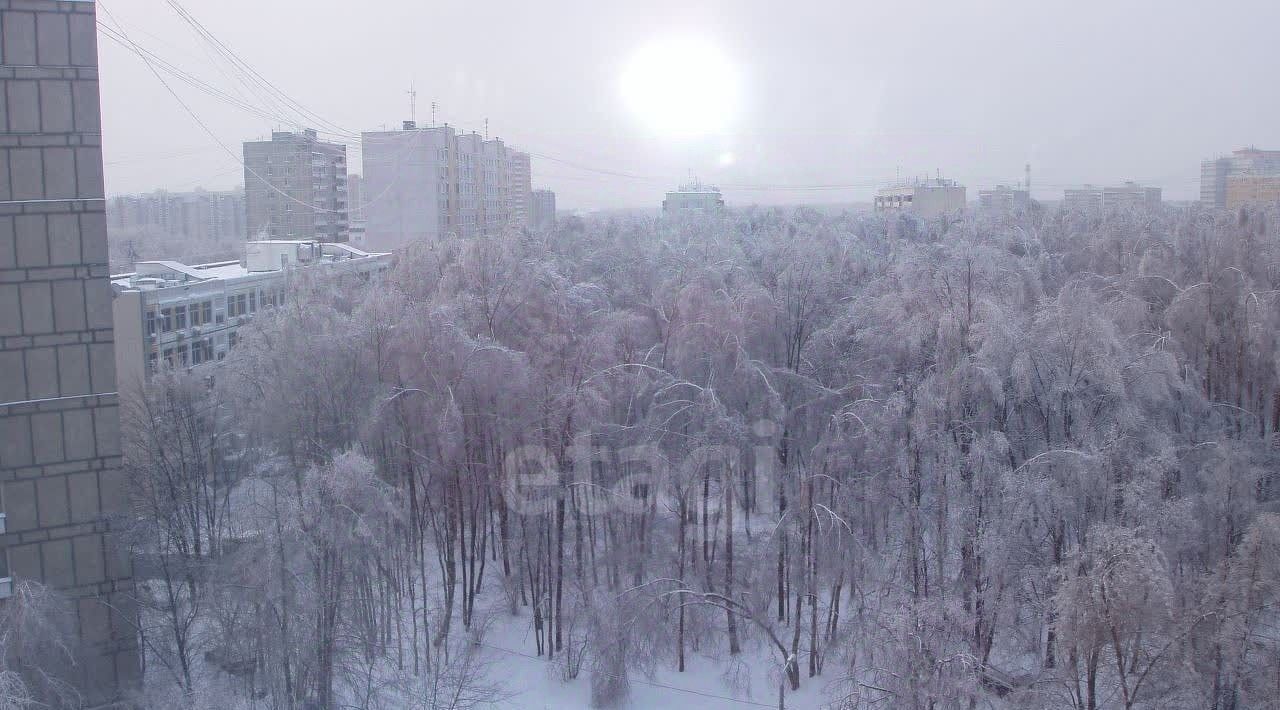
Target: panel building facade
[1246, 176]
[60, 466]
[295, 187]
[430, 182]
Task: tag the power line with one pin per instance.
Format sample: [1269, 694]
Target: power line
[254, 75]
[213, 135]
[284, 105]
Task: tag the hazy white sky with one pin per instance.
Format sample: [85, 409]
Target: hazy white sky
[842, 94]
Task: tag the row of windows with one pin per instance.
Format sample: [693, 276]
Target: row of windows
[171, 318]
[182, 354]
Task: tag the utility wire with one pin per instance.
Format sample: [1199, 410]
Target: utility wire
[213, 135]
[284, 106]
[257, 77]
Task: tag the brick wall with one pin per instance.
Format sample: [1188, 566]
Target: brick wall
[59, 422]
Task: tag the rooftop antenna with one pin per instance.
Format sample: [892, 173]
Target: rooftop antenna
[433, 114]
[413, 104]
[1028, 182]
[486, 129]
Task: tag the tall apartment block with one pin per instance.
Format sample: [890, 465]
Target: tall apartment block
[429, 182]
[295, 187]
[1247, 175]
[60, 475]
[521, 194]
[543, 215]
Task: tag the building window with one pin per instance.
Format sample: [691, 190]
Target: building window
[6, 581]
[151, 363]
[253, 301]
[206, 310]
[232, 339]
[168, 357]
[201, 351]
[151, 322]
[182, 355]
[180, 317]
[166, 320]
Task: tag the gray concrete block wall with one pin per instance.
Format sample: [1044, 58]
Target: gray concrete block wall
[60, 477]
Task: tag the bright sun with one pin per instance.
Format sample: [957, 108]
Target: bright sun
[682, 86]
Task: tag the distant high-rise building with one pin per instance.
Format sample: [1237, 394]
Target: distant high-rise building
[543, 215]
[693, 197]
[200, 215]
[355, 197]
[1247, 175]
[926, 198]
[295, 187]
[521, 191]
[1106, 199]
[60, 469]
[430, 182]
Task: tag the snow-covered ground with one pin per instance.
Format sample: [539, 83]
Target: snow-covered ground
[532, 683]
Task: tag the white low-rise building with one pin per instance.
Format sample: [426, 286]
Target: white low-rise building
[926, 198]
[693, 197]
[1091, 198]
[169, 314]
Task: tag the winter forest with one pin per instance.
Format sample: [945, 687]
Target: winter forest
[785, 457]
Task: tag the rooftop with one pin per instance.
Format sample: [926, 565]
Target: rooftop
[696, 187]
[266, 256]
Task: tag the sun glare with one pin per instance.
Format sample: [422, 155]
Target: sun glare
[682, 87]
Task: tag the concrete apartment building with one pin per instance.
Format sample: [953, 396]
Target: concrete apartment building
[169, 314]
[295, 187]
[1246, 176]
[927, 198]
[429, 182]
[1252, 190]
[1004, 198]
[543, 213]
[200, 215]
[521, 189]
[355, 209]
[692, 198]
[60, 477]
[1130, 195]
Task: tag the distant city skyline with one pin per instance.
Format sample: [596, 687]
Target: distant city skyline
[830, 101]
